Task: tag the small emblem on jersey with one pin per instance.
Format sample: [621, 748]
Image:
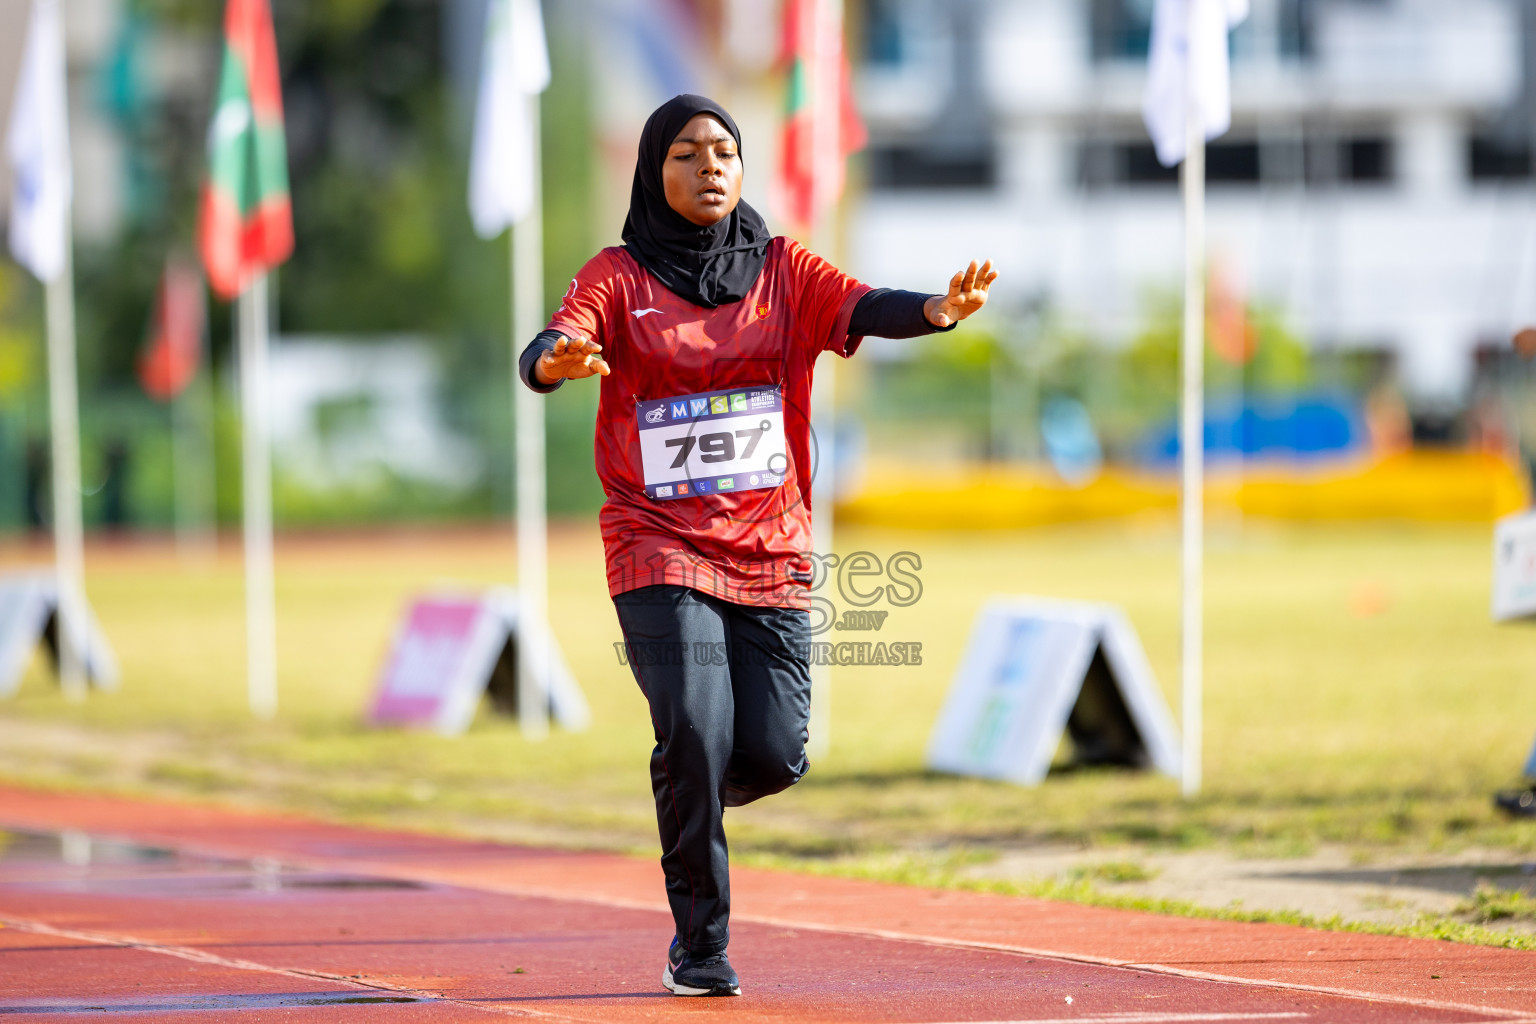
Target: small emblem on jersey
[656, 415]
[752, 479]
[739, 402]
[639, 314]
[726, 483]
[679, 410]
[698, 406]
[762, 311]
[664, 491]
[682, 488]
[719, 404]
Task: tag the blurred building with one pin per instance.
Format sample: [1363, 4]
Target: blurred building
[1377, 182]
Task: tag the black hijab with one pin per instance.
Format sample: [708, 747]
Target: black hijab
[707, 266]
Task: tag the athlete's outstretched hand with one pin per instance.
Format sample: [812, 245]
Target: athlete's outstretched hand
[967, 294]
[573, 358]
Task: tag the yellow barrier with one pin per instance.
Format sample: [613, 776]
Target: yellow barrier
[1440, 486]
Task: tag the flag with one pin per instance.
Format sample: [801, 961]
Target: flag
[810, 174]
[38, 147]
[170, 358]
[246, 224]
[513, 71]
[1175, 54]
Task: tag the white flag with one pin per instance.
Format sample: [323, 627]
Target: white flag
[38, 147]
[1174, 55]
[514, 70]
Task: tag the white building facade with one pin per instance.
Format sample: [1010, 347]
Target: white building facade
[1376, 185]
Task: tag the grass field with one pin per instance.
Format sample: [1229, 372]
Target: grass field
[1357, 696]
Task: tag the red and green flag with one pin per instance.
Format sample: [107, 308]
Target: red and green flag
[821, 123]
[170, 357]
[246, 219]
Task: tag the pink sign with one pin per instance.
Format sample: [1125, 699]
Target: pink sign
[437, 668]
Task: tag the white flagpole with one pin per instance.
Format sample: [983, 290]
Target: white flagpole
[826, 112]
[68, 526]
[533, 640]
[256, 475]
[1192, 420]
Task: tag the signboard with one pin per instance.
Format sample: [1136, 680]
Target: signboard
[1514, 567]
[449, 651]
[1035, 669]
[28, 603]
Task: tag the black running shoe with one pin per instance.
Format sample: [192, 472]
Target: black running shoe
[689, 975]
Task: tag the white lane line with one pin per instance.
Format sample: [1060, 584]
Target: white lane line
[390, 869]
[1485, 1013]
[212, 959]
[1145, 1018]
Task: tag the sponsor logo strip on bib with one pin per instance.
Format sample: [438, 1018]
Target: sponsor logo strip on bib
[717, 441]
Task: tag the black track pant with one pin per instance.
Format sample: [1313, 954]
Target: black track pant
[730, 694]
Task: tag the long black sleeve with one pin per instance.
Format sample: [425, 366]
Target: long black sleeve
[892, 313]
[542, 342]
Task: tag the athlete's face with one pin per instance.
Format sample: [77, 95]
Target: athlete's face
[702, 172]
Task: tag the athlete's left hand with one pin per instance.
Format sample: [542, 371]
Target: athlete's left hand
[967, 294]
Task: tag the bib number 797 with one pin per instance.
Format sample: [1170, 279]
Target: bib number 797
[719, 446]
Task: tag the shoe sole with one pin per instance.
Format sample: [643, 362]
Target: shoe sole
[688, 990]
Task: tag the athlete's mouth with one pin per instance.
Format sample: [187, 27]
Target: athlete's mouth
[712, 191]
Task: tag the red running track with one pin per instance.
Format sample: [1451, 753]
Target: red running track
[202, 914]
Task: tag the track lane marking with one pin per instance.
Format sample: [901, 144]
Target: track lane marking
[212, 959]
[538, 892]
[1164, 1018]
[387, 869]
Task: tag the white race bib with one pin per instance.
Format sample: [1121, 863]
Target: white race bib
[718, 441]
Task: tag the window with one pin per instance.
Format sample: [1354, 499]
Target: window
[884, 42]
[1104, 164]
[1120, 29]
[1365, 160]
[929, 167]
[1237, 161]
[1498, 158]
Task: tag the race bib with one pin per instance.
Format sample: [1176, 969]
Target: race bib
[715, 442]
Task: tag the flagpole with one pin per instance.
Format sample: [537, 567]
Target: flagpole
[533, 640]
[256, 476]
[68, 525]
[825, 97]
[1192, 422]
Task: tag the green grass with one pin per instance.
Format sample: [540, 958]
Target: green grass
[1383, 724]
[1490, 903]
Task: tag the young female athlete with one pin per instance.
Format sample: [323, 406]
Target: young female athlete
[706, 331]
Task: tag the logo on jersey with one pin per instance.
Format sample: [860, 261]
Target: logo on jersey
[570, 293]
[762, 311]
[682, 488]
[698, 406]
[664, 491]
[639, 314]
[718, 404]
[739, 402]
[679, 410]
[656, 415]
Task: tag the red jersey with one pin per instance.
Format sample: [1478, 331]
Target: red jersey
[747, 547]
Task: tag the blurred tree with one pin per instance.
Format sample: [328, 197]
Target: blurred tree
[379, 166]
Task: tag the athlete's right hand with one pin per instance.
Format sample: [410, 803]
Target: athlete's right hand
[573, 358]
